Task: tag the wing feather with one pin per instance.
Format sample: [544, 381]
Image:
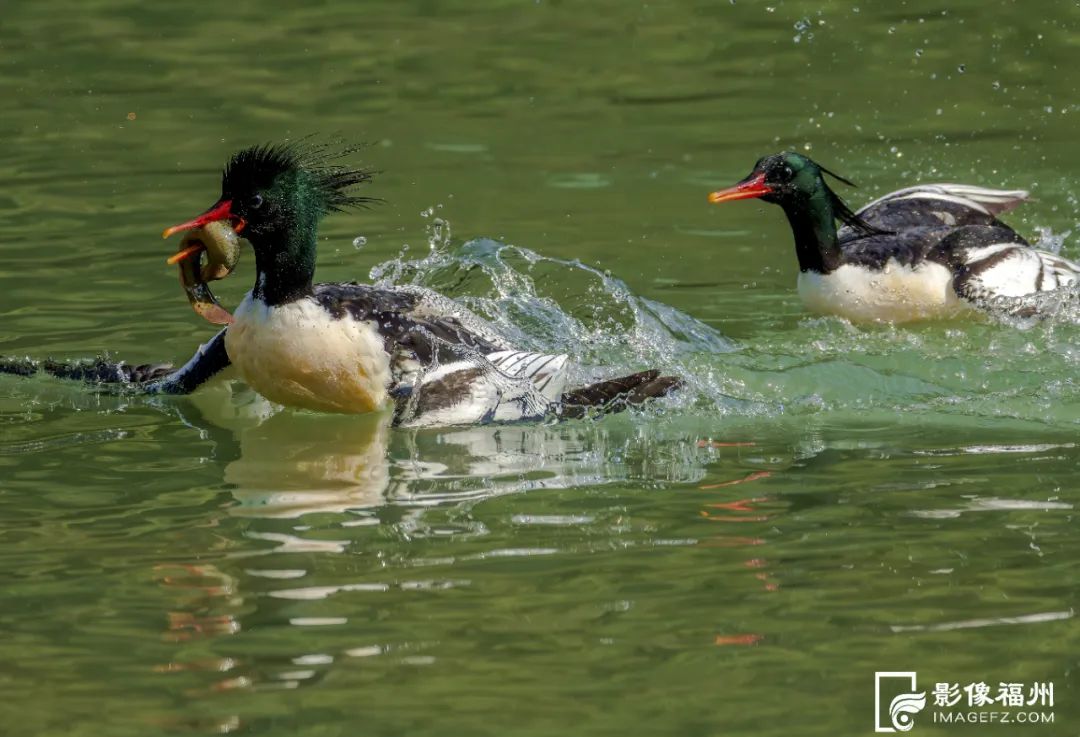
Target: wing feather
[1008, 271]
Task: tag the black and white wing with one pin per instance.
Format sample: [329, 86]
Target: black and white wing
[503, 386]
[994, 268]
[511, 386]
[935, 205]
[1002, 271]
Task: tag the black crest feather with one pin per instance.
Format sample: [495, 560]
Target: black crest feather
[844, 213]
[262, 164]
[837, 177]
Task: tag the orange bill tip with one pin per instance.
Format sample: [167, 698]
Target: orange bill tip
[745, 190]
[185, 253]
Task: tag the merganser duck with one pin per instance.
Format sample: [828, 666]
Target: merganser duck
[355, 348]
[922, 252]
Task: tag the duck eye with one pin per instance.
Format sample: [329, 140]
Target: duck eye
[788, 173]
[255, 202]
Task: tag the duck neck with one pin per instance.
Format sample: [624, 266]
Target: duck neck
[285, 265]
[813, 223]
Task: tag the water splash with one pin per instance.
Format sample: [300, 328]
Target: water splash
[822, 367]
[1057, 307]
[803, 28]
[548, 305]
[1047, 240]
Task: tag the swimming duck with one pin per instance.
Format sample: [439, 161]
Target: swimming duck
[355, 348]
[923, 252]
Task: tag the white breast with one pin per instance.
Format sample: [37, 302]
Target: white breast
[298, 355]
[897, 293]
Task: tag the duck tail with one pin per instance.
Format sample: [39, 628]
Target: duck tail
[97, 371]
[616, 395]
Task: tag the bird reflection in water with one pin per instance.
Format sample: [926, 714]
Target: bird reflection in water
[282, 466]
[289, 464]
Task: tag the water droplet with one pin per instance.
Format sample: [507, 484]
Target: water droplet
[359, 242]
[962, 68]
[918, 52]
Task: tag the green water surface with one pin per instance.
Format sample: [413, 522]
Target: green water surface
[829, 502]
